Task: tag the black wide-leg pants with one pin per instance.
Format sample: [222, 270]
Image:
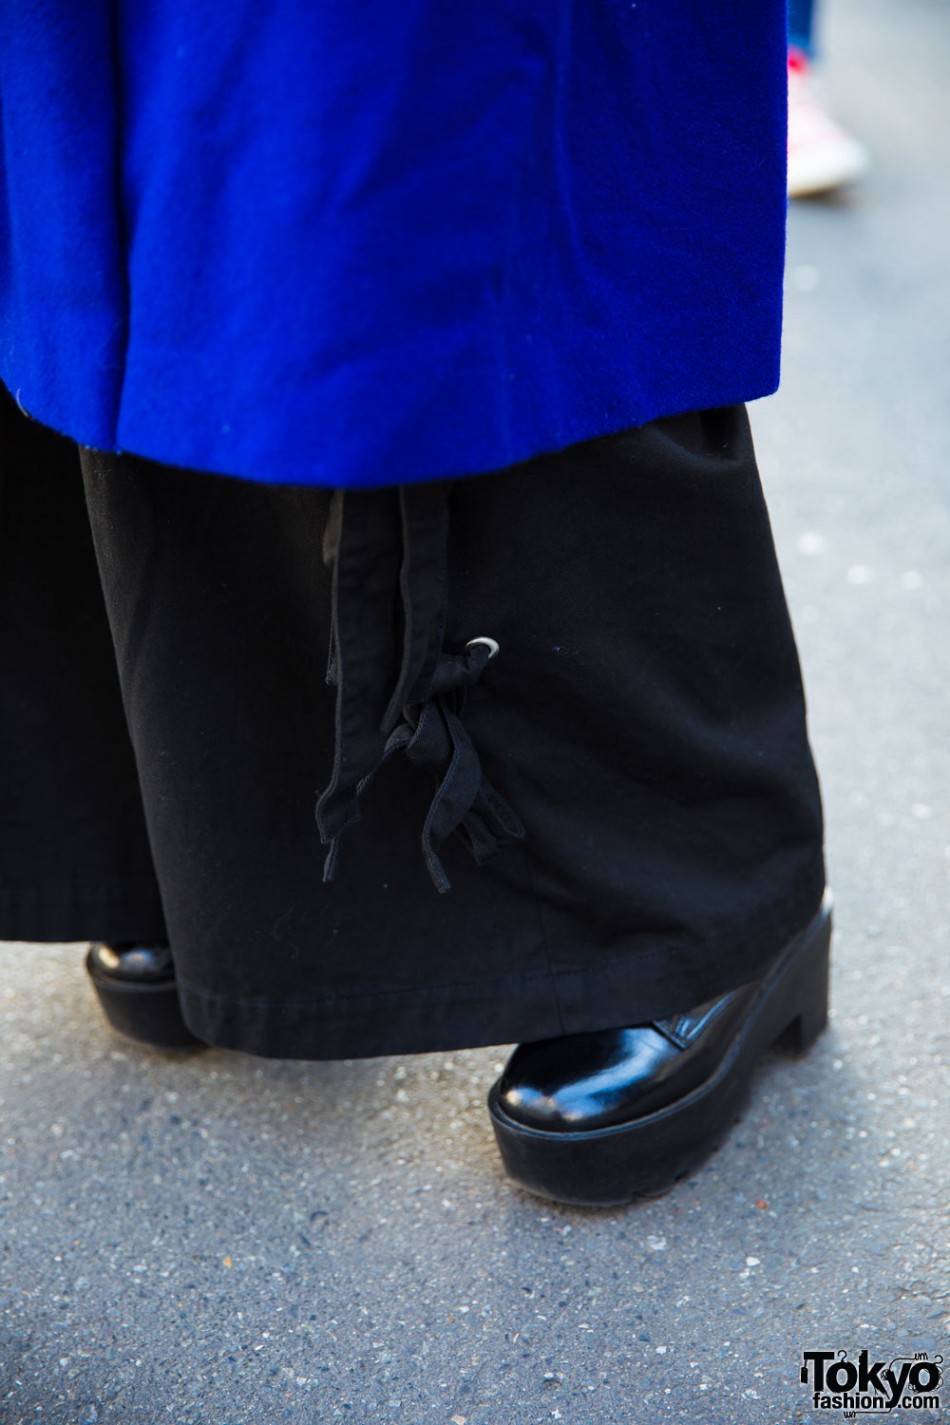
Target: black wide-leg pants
[622, 801]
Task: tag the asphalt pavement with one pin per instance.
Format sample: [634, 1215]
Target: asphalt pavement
[216, 1240]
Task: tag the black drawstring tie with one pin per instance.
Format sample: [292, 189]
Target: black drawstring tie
[376, 540]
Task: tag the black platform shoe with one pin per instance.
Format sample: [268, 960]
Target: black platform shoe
[136, 988]
[596, 1119]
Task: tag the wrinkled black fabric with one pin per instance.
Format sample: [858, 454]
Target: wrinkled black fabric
[423, 716]
[74, 854]
[643, 721]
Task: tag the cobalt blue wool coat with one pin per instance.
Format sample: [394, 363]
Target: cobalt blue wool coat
[325, 243]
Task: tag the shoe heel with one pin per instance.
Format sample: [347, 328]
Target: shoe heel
[810, 995]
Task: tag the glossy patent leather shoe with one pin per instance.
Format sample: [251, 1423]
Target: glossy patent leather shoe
[137, 990]
[596, 1119]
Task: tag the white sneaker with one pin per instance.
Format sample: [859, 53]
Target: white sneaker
[821, 154]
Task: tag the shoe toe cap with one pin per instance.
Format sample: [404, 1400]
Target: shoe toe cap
[584, 1082]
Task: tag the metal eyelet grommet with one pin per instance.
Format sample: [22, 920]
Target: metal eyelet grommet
[490, 643]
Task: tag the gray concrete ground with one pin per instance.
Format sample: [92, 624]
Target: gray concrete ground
[217, 1241]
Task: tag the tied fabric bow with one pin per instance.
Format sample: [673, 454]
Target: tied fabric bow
[376, 540]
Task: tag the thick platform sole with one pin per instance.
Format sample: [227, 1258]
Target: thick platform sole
[610, 1166]
[147, 1012]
